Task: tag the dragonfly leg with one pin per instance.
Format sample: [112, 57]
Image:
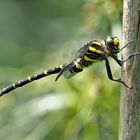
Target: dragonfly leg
[110, 76]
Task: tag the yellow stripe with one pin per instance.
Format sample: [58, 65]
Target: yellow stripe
[29, 78]
[61, 67]
[78, 66]
[45, 72]
[89, 59]
[97, 43]
[14, 86]
[95, 50]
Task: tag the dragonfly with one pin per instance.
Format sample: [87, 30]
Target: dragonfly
[90, 53]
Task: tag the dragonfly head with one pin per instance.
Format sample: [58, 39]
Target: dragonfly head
[112, 44]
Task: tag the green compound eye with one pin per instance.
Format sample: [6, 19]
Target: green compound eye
[109, 41]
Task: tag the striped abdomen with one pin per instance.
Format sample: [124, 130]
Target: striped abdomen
[94, 53]
[29, 79]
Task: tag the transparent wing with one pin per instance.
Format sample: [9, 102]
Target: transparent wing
[80, 53]
[69, 73]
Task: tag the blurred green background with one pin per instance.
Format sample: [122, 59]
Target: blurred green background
[37, 35]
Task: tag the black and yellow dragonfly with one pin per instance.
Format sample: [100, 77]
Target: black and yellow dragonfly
[92, 52]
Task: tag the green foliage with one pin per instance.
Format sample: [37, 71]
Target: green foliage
[37, 35]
